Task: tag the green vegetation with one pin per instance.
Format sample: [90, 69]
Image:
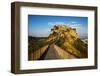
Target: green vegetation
[35, 43]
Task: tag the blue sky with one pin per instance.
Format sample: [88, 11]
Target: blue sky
[40, 25]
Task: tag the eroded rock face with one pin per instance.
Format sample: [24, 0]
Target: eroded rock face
[63, 32]
[68, 39]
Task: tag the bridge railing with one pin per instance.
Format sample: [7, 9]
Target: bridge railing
[37, 54]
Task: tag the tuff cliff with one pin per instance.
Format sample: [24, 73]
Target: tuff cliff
[68, 39]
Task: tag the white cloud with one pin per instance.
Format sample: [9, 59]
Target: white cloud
[81, 30]
[76, 26]
[73, 22]
[55, 23]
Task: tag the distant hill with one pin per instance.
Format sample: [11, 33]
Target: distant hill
[30, 37]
